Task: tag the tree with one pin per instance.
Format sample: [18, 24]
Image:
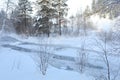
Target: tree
[79, 21]
[116, 26]
[103, 44]
[50, 12]
[86, 16]
[82, 54]
[22, 12]
[43, 56]
[8, 5]
[94, 5]
[62, 9]
[82, 58]
[45, 14]
[72, 18]
[105, 8]
[2, 17]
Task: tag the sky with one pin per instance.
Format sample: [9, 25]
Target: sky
[77, 5]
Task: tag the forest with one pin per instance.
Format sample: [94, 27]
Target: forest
[45, 40]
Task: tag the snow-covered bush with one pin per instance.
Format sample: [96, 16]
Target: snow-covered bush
[81, 60]
[43, 56]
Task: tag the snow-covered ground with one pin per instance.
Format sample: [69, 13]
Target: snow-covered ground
[15, 65]
[17, 62]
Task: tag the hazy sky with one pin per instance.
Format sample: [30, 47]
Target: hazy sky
[77, 5]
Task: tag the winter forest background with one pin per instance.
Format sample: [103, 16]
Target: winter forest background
[53, 40]
[37, 18]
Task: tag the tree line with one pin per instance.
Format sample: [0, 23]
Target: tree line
[48, 14]
[46, 17]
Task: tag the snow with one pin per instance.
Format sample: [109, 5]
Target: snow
[15, 65]
[71, 58]
[65, 75]
[18, 64]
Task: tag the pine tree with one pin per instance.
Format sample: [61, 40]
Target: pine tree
[24, 10]
[62, 9]
[94, 5]
[2, 16]
[45, 14]
[7, 8]
[47, 10]
[87, 12]
[86, 16]
[72, 18]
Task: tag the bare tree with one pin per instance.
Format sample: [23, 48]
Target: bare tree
[82, 55]
[104, 48]
[78, 22]
[103, 44]
[72, 18]
[43, 56]
[82, 59]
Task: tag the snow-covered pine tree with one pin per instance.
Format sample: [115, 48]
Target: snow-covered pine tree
[86, 16]
[72, 19]
[93, 4]
[7, 8]
[45, 14]
[2, 17]
[62, 9]
[105, 8]
[24, 10]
